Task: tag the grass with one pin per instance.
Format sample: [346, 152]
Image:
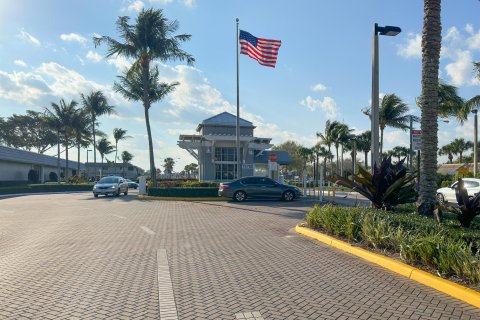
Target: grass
[446, 249]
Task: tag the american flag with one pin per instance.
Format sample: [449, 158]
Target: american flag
[265, 51]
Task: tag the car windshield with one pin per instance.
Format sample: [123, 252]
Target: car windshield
[108, 180]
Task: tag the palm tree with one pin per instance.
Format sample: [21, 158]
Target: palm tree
[81, 133]
[431, 45]
[460, 146]
[119, 134]
[126, 158]
[364, 144]
[327, 138]
[190, 168]
[400, 152]
[104, 147]
[474, 102]
[339, 133]
[168, 164]
[150, 38]
[392, 113]
[63, 116]
[96, 105]
[447, 150]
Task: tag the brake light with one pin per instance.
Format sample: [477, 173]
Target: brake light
[222, 186]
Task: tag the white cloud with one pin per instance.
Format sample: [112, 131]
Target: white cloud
[20, 63]
[413, 47]
[469, 28]
[461, 69]
[23, 87]
[136, 6]
[93, 56]
[28, 38]
[121, 63]
[327, 105]
[189, 3]
[319, 87]
[395, 138]
[473, 41]
[73, 37]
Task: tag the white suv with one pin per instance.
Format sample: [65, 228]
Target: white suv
[447, 194]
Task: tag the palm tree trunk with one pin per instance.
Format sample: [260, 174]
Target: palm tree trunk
[78, 160]
[461, 157]
[116, 150]
[341, 163]
[331, 161]
[336, 147]
[366, 160]
[101, 168]
[66, 155]
[381, 141]
[94, 148]
[146, 105]
[431, 45]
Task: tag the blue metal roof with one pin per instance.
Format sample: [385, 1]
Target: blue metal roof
[225, 119]
[22, 156]
[283, 158]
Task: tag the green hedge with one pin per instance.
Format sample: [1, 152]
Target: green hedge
[447, 248]
[183, 192]
[40, 188]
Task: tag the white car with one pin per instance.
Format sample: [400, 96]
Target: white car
[447, 194]
[110, 185]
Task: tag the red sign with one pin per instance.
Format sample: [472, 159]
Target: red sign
[273, 157]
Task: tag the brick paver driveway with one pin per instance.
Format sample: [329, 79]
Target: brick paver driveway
[76, 257]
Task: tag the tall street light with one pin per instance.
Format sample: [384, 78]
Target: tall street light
[475, 142]
[384, 31]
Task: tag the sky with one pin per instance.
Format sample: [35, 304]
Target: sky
[323, 69]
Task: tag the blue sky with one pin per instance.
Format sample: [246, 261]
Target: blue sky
[323, 69]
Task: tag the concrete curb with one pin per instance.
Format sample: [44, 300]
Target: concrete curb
[450, 288]
[183, 198]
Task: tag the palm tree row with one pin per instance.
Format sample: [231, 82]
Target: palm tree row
[78, 126]
[457, 146]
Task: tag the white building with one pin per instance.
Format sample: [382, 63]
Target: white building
[15, 165]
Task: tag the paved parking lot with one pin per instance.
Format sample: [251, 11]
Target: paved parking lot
[70, 256]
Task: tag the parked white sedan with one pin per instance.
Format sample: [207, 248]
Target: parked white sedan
[447, 194]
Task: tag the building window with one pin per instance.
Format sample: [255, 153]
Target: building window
[130, 168]
[225, 171]
[226, 154]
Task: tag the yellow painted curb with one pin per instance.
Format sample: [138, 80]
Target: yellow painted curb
[183, 199]
[450, 288]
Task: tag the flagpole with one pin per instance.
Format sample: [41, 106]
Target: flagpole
[237, 131]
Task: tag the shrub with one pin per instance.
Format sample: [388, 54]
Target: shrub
[183, 192]
[33, 176]
[447, 248]
[52, 176]
[388, 186]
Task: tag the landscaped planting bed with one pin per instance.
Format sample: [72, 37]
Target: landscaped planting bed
[40, 188]
[446, 250]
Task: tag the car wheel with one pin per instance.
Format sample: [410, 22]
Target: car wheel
[117, 194]
[239, 196]
[441, 198]
[288, 196]
[95, 195]
[126, 192]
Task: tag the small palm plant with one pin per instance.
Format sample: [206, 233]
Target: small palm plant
[388, 186]
[468, 207]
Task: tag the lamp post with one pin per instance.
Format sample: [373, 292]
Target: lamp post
[475, 142]
[384, 31]
[354, 156]
[88, 150]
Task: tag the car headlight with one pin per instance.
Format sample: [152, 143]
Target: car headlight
[113, 187]
[95, 187]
